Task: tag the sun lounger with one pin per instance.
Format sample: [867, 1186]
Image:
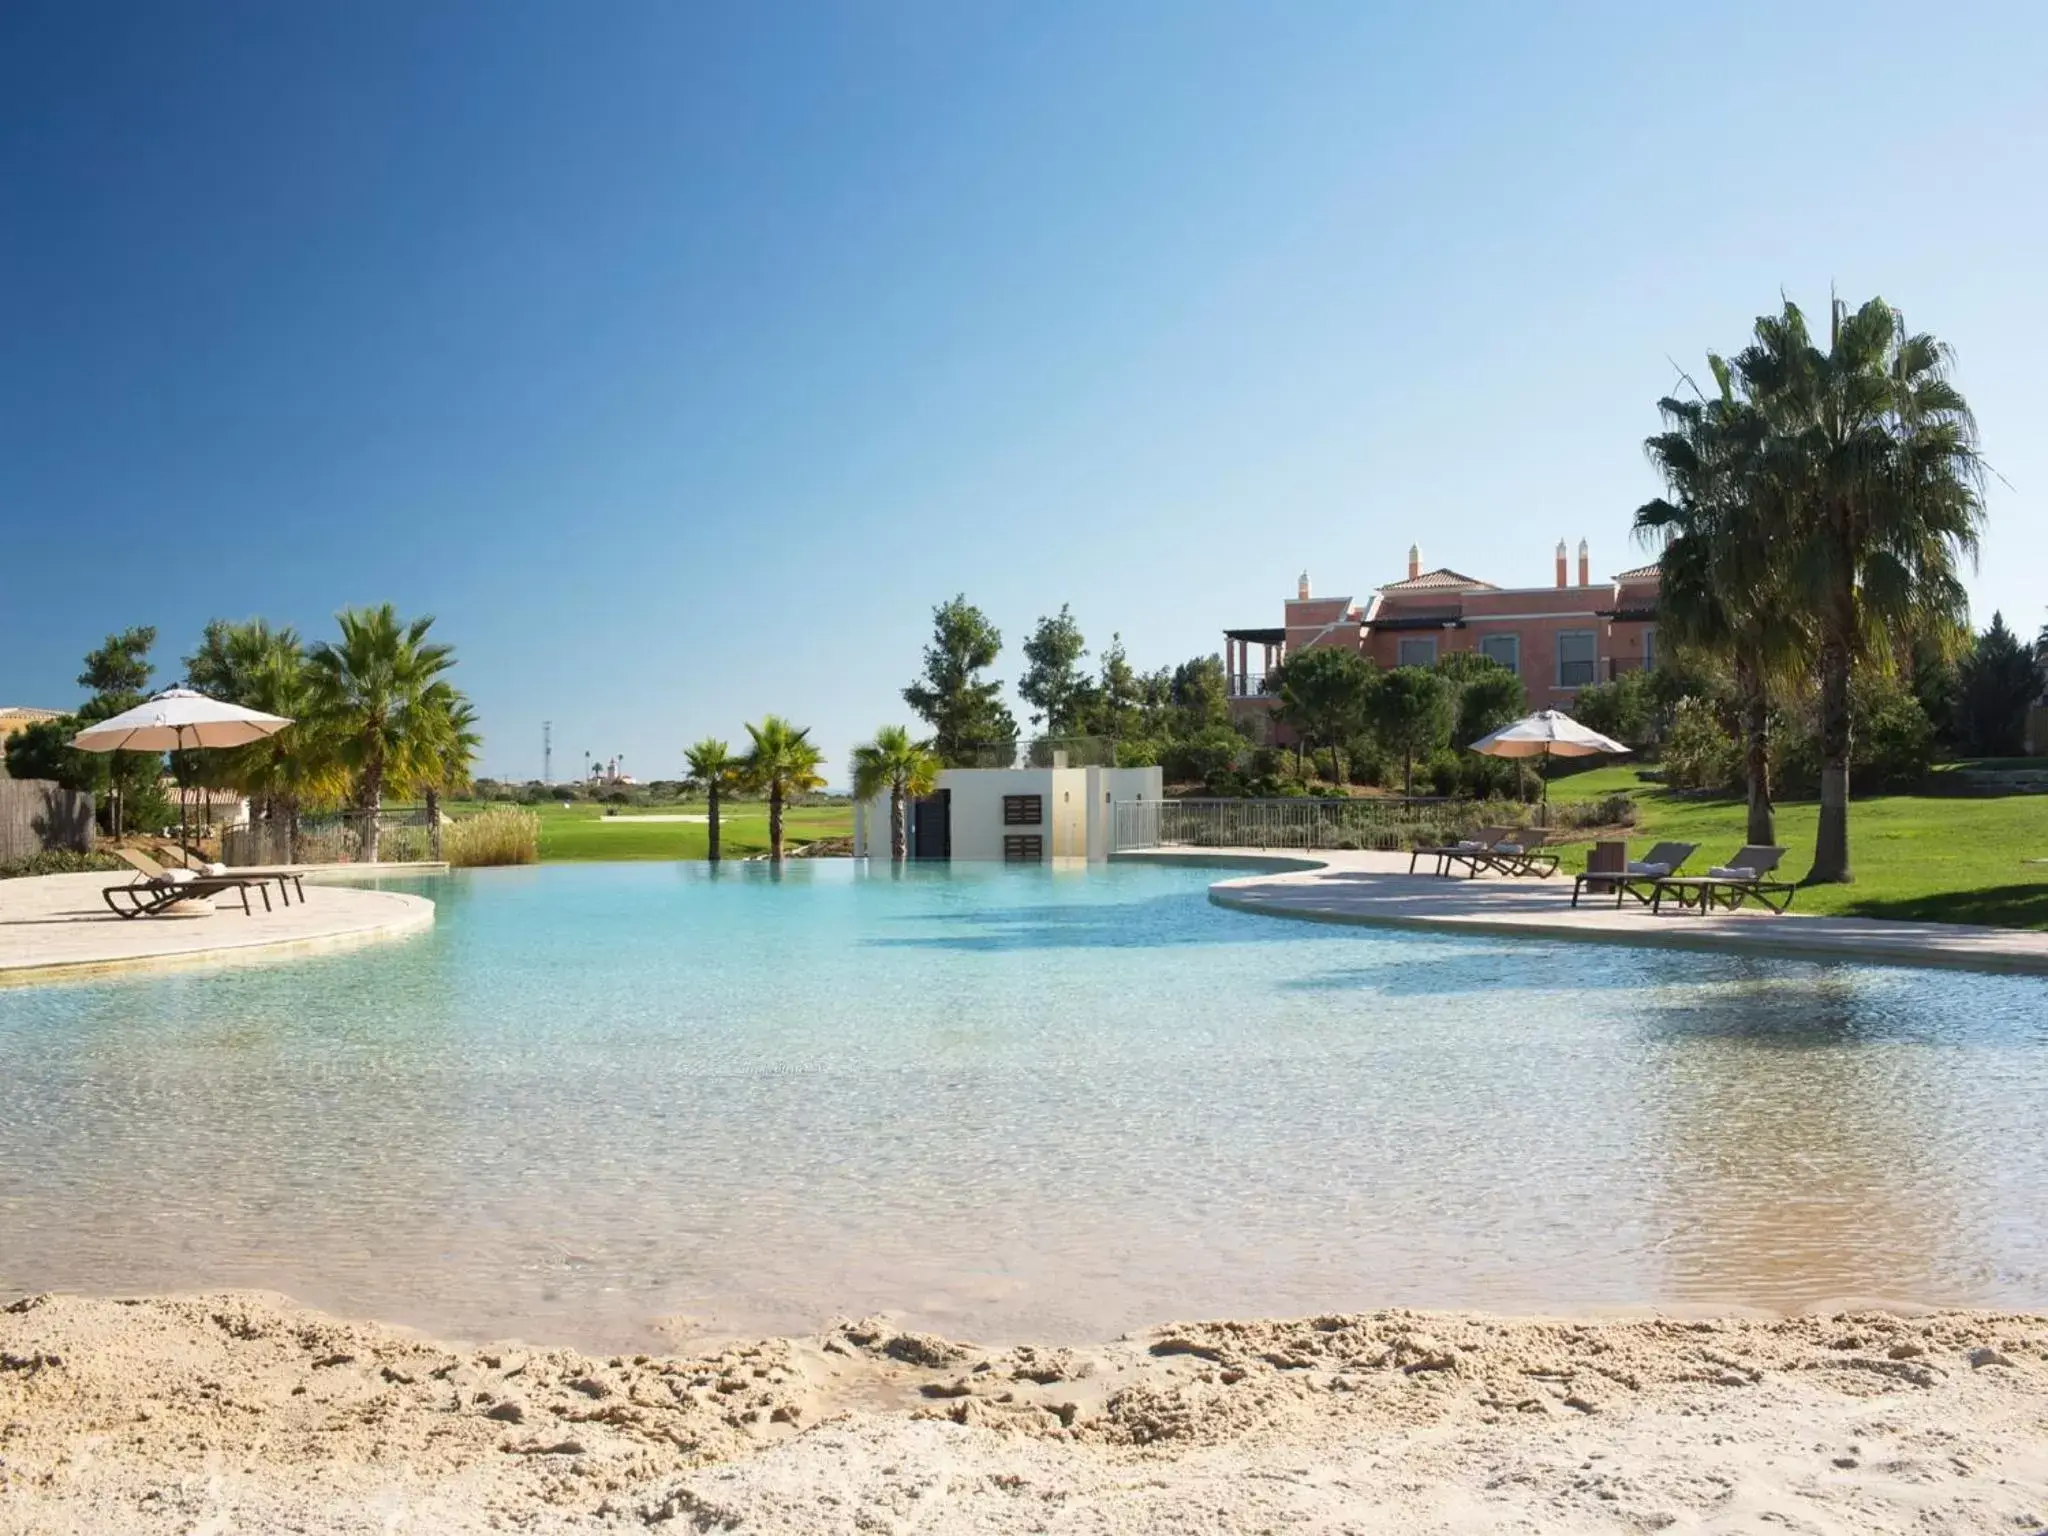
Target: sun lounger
[1728, 886]
[1481, 840]
[287, 878]
[155, 888]
[1517, 853]
[1637, 878]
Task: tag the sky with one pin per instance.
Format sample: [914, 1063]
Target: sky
[680, 358]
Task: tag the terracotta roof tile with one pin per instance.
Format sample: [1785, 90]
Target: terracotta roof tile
[1442, 579]
[1640, 573]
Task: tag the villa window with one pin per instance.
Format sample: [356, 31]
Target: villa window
[1023, 850]
[1023, 810]
[1577, 658]
[1649, 647]
[1416, 651]
[1505, 649]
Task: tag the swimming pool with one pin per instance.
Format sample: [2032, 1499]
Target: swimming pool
[1010, 1104]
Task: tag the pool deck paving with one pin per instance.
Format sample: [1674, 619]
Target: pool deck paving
[57, 927]
[1377, 890]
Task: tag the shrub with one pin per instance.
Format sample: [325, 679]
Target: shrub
[1700, 753]
[500, 835]
[1209, 756]
[59, 861]
[1612, 811]
[1625, 709]
[1891, 746]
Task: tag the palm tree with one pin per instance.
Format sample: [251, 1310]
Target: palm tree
[1721, 589]
[782, 763]
[905, 768]
[712, 769]
[375, 690]
[263, 668]
[442, 753]
[1873, 451]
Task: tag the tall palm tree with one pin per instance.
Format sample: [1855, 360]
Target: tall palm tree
[1874, 451]
[1721, 586]
[905, 768]
[442, 753]
[374, 689]
[712, 769]
[263, 668]
[783, 762]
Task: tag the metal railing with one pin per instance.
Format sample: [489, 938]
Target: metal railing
[329, 838]
[1385, 822]
[1251, 685]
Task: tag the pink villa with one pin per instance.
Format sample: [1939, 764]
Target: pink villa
[1559, 638]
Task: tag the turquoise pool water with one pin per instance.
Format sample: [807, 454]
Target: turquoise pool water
[1010, 1104]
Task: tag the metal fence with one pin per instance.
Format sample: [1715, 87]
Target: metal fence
[331, 838]
[37, 816]
[1377, 822]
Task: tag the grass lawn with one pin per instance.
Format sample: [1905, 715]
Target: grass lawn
[585, 832]
[1951, 858]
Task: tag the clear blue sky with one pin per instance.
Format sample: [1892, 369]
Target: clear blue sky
[681, 358]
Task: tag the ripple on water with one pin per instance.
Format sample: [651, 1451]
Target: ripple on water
[1010, 1103]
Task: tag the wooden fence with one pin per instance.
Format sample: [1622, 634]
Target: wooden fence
[36, 815]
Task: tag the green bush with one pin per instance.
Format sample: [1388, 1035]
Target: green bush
[1700, 753]
[500, 835]
[1891, 745]
[1625, 709]
[59, 861]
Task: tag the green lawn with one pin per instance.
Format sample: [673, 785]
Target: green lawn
[585, 832]
[1950, 858]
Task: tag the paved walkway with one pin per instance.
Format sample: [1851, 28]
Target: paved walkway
[56, 927]
[1375, 889]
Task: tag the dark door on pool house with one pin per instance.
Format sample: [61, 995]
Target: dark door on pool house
[931, 826]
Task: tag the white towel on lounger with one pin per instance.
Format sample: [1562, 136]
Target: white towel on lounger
[1731, 872]
[1655, 871]
[180, 876]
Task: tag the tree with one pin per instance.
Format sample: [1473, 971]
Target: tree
[261, 667]
[1053, 683]
[712, 771]
[1201, 694]
[443, 753]
[782, 763]
[1323, 692]
[374, 690]
[1722, 585]
[44, 751]
[1409, 711]
[965, 711]
[1997, 681]
[117, 674]
[905, 768]
[1871, 453]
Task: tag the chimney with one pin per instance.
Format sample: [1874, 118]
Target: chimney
[1414, 561]
[1585, 564]
[1563, 576]
[1301, 587]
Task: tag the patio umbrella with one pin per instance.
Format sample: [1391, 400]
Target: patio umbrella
[1546, 734]
[177, 720]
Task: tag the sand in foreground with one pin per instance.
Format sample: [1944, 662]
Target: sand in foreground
[241, 1412]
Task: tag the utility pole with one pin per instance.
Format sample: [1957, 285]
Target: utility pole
[547, 751]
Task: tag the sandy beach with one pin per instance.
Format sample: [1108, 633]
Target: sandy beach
[241, 1412]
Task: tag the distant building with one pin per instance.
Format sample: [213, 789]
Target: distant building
[1558, 638]
[1011, 815]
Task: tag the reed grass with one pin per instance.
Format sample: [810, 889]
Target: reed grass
[503, 834]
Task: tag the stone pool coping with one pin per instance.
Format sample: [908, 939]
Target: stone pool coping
[57, 928]
[1376, 890]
